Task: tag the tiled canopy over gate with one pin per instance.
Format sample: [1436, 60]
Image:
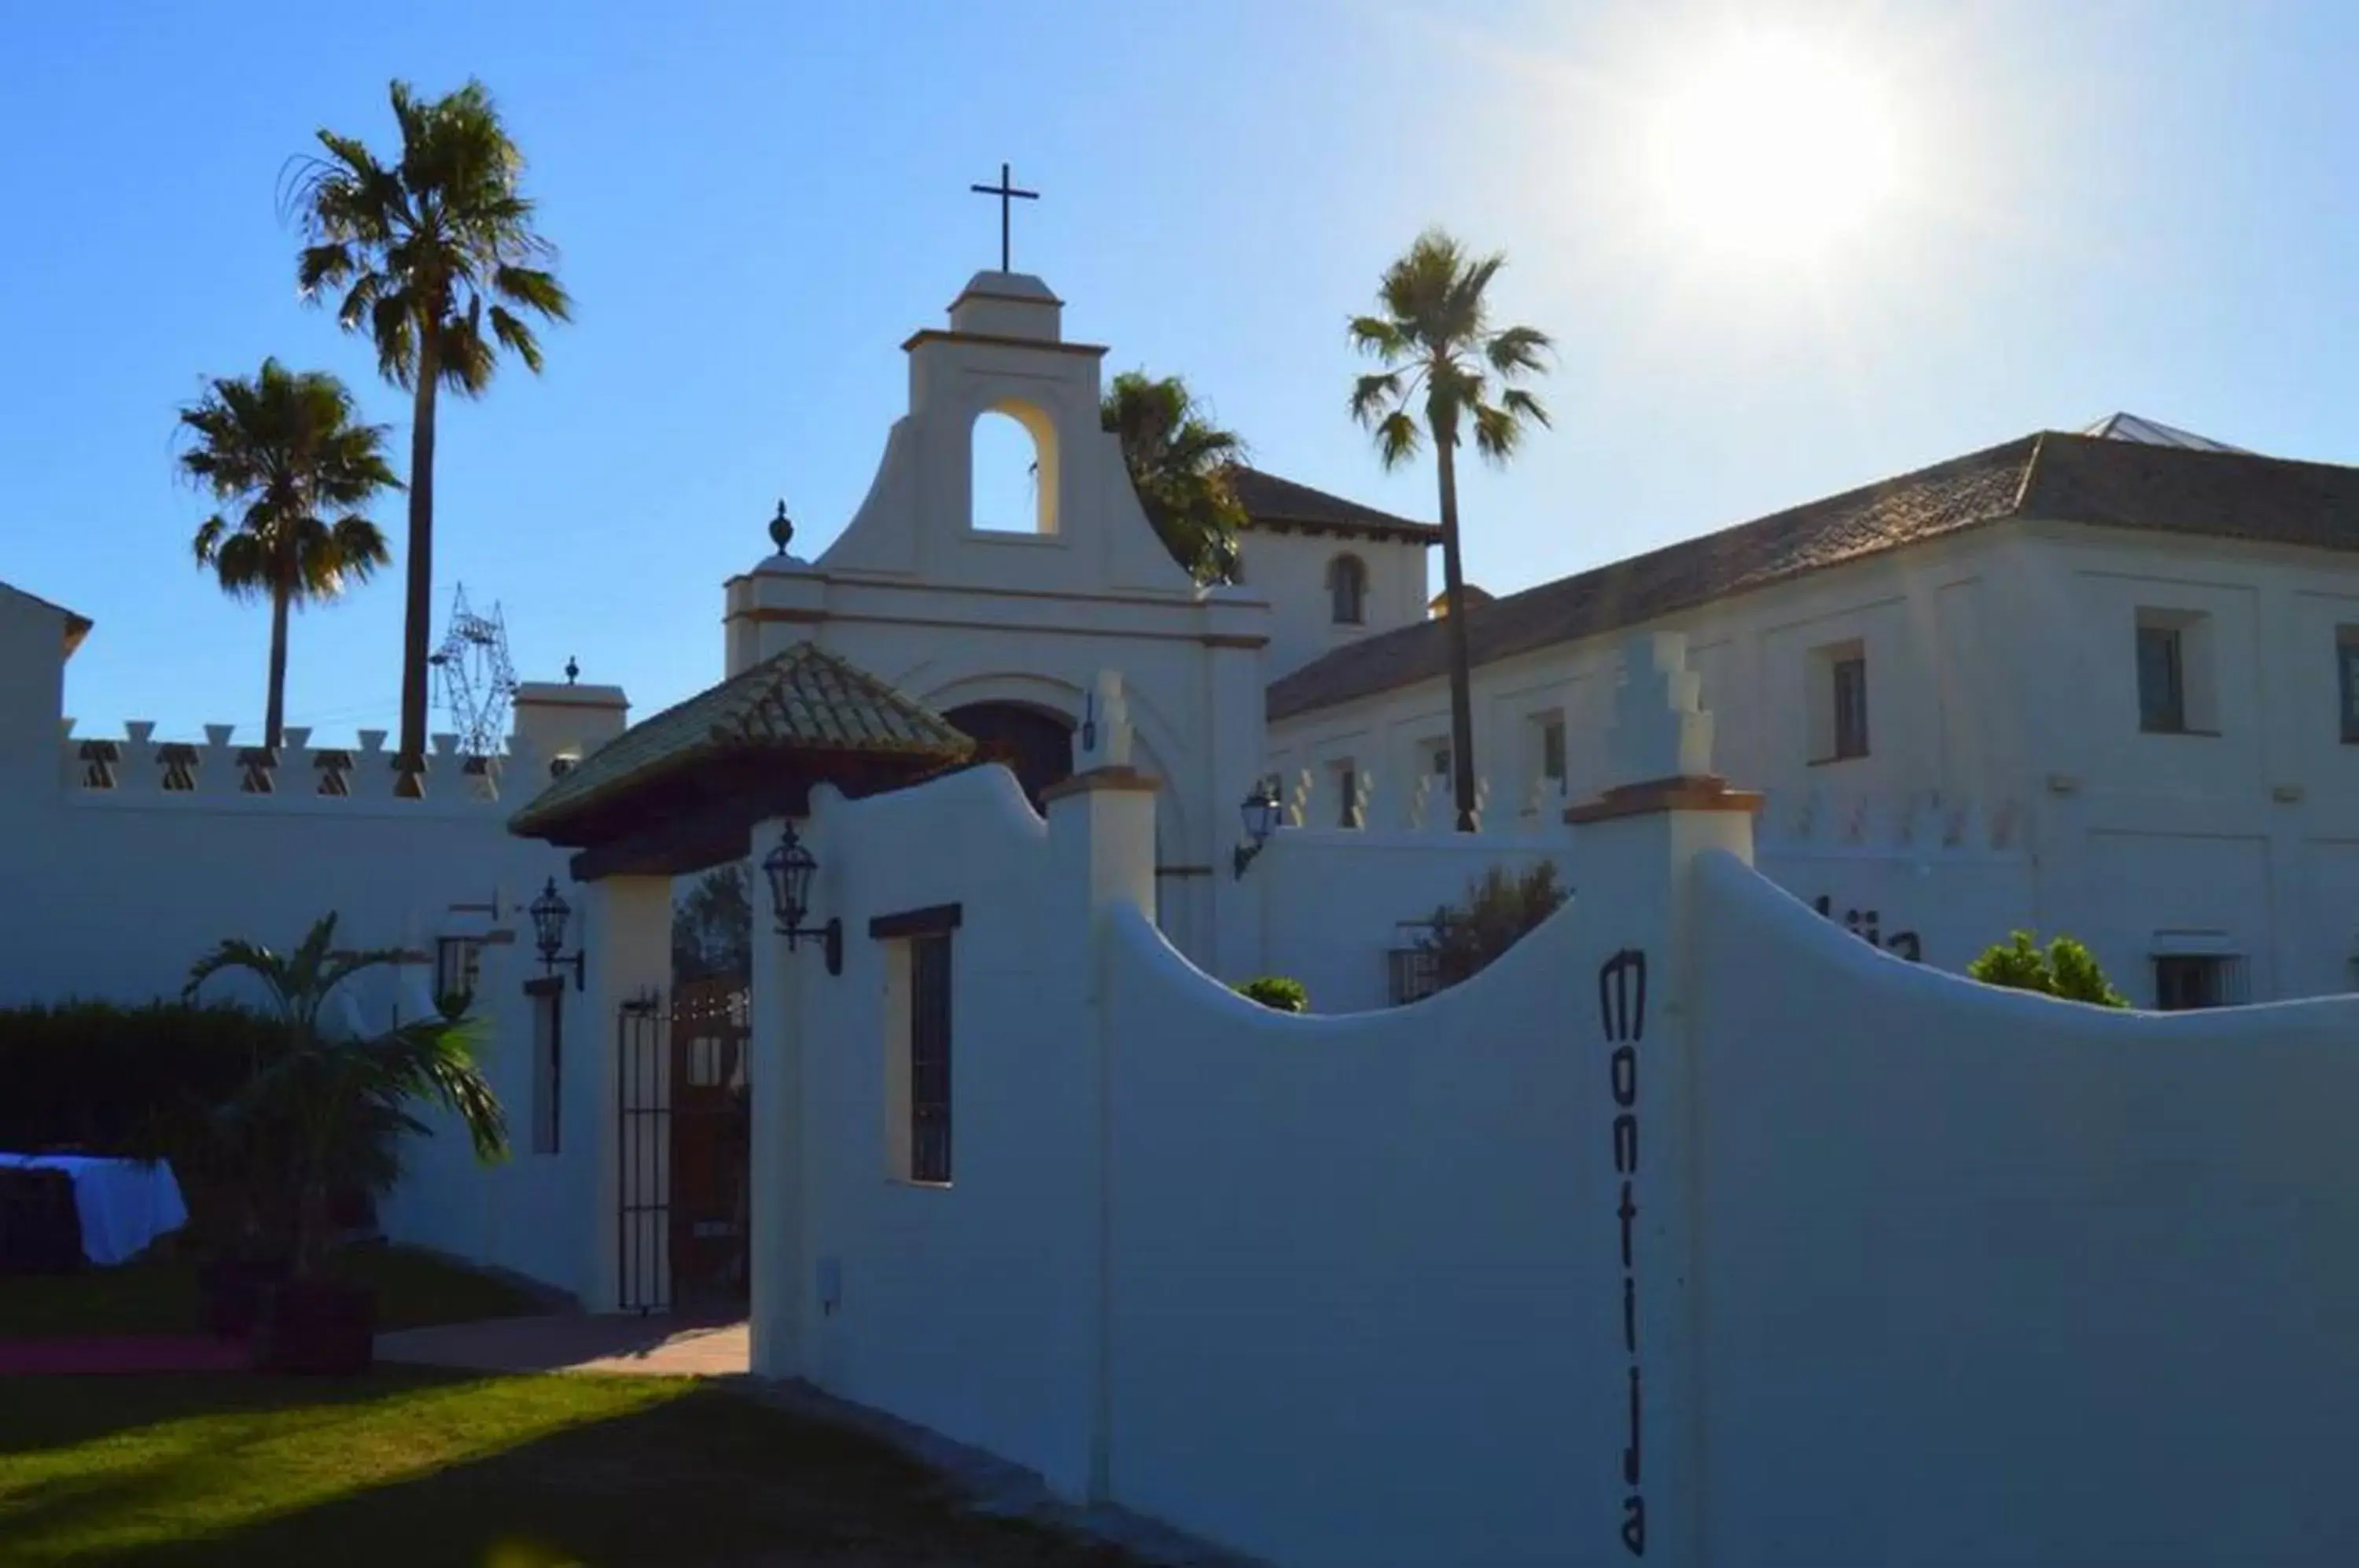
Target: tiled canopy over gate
[805, 706]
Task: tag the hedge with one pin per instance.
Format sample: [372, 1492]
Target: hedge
[137, 1082]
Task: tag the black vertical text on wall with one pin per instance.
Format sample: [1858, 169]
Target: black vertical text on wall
[1622, 1016]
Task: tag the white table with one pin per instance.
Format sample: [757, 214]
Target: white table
[123, 1204]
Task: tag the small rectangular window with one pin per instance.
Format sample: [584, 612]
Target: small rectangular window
[1552, 751]
[929, 1058]
[458, 966]
[1347, 795]
[1851, 706]
[2184, 982]
[547, 1063]
[2346, 670]
[2162, 679]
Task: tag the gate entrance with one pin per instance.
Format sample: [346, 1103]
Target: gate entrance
[686, 1147]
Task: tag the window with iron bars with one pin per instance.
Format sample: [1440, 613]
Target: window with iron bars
[1411, 972]
[929, 1058]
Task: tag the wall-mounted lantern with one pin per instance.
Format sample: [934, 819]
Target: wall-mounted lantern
[1259, 809]
[789, 867]
[551, 914]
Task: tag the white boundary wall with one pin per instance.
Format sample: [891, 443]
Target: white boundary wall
[1693, 1223]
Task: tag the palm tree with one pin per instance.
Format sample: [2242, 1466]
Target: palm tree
[288, 450]
[1179, 463]
[1445, 361]
[345, 1103]
[435, 255]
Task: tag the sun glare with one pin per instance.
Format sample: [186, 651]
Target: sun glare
[1774, 146]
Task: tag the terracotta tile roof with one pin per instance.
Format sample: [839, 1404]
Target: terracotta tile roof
[1283, 505]
[803, 700]
[2052, 476]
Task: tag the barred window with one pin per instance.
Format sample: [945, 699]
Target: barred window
[929, 1058]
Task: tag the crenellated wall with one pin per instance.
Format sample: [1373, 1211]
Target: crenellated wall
[126, 856]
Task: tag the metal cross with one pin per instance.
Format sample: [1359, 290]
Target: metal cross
[1006, 192]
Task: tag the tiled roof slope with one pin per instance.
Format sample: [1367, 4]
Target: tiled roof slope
[804, 700]
[2053, 476]
[1274, 503]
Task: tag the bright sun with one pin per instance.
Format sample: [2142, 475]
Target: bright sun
[1774, 146]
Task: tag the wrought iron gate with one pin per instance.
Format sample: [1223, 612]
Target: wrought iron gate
[711, 1150]
[643, 1152]
[684, 1145]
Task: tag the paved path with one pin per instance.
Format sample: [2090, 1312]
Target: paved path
[655, 1346]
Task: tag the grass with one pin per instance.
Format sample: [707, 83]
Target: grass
[417, 1467]
[414, 1289]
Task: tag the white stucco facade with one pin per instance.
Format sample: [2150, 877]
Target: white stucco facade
[1294, 569]
[951, 613]
[1689, 1214]
[2002, 684]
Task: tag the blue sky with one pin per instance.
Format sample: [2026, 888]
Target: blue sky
[2102, 205]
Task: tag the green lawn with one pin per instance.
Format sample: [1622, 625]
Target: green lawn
[414, 1289]
[417, 1468]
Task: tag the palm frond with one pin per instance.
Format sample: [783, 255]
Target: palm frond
[1398, 438]
[1526, 406]
[516, 338]
[234, 954]
[1371, 395]
[1376, 335]
[533, 289]
[1516, 351]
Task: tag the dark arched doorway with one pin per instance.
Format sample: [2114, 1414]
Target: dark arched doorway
[1036, 744]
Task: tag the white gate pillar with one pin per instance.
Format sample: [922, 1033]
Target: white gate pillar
[626, 935]
[1633, 850]
[780, 1283]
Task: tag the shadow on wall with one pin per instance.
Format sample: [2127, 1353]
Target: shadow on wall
[1944, 1218]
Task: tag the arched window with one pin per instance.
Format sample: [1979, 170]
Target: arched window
[1347, 590]
[1012, 478]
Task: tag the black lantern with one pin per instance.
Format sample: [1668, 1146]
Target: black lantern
[551, 914]
[789, 868]
[1259, 809]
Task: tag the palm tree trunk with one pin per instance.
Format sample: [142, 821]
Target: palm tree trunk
[419, 607]
[275, 713]
[1453, 587]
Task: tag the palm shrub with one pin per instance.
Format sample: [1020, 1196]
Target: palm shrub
[2066, 969]
[343, 1104]
[1501, 906]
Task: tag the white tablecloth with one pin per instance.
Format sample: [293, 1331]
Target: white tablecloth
[123, 1204]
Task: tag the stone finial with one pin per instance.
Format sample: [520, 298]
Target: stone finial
[1661, 730]
[782, 529]
[1102, 738]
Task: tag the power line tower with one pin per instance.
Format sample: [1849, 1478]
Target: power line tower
[474, 676]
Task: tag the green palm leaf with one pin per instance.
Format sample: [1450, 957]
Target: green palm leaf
[1179, 461]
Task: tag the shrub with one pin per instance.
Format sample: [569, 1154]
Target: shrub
[1500, 908]
[2067, 969]
[1275, 991]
